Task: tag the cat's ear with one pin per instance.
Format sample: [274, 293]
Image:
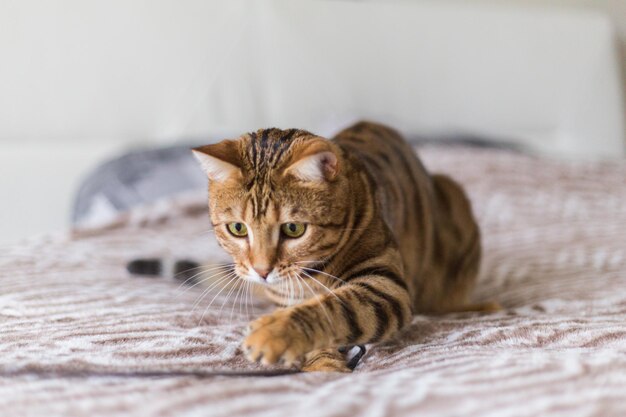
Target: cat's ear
[316, 163]
[220, 161]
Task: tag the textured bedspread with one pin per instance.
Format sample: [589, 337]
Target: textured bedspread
[554, 256]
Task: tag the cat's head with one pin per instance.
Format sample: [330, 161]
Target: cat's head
[277, 200]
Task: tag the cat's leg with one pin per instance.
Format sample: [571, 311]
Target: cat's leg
[459, 237]
[370, 308]
[325, 360]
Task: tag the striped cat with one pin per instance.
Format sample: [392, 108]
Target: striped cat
[356, 220]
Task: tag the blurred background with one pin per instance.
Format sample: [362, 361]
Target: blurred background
[83, 82]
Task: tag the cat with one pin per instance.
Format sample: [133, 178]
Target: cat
[357, 219]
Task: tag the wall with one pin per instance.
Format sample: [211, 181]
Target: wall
[80, 82]
[615, 9]
[62, 60]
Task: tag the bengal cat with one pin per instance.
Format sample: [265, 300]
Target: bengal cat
[356, 219]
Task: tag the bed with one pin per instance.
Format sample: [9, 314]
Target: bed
[75, 325]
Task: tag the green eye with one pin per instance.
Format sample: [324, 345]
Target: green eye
[293, 229]
[237, 229]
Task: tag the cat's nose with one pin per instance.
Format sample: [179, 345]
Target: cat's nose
[262, 271]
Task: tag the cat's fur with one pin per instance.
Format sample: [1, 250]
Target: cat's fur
[387, 238]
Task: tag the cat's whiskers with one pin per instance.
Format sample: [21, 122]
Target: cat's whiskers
[211, 287]
[319, 300]
[248, 287]
[292, 286]
[243, 305]
[207, 291]
[202, 281]
[232, 309]
[281, 288]
[284, 288]
[218, 275]
[195, 268]
[290, 280]
[322, 285]
[245, 290]
[251, 297]
[202, 269]
[246, 299]
[232, 278]
[217, 271]
[288, 283]
[301, 288]
[215, 275]
[323, 273]
[292, 283]
[244, 285]
[227, 298]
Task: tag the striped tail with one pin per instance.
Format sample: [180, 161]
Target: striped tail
[180, 269]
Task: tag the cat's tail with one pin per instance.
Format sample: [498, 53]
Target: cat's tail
[180, 269]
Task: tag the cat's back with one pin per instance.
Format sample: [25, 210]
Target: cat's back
[429, 215]
[403, 185]
[384, 152]
[386, 155]
[375, 143]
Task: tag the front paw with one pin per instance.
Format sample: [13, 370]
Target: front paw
[275, 338]
[326, 360]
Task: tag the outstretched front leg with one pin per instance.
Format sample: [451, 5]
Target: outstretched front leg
[370, 308]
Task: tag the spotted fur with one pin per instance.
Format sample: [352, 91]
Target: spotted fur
[384, 239]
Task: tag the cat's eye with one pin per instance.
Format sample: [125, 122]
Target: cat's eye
[237, 229]
[293, 230]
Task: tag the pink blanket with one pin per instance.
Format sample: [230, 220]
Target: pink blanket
[554, 256]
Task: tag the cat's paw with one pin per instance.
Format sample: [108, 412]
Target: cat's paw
[325, 360]
[327, 365]
[275, 338]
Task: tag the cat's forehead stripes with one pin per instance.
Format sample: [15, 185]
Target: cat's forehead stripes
[266, 146]
[272, 210]
[260, 198]
[265, 151]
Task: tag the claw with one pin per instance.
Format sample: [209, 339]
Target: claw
[354, 361]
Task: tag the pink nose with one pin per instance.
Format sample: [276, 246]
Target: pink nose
[263, 272]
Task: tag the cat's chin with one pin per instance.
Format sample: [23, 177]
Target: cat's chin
[274, 281]
[270, 281]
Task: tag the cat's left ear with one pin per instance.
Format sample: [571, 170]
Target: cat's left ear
[316, 163]
[220, 161]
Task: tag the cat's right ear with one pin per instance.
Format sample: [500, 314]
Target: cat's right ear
[220, 161]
